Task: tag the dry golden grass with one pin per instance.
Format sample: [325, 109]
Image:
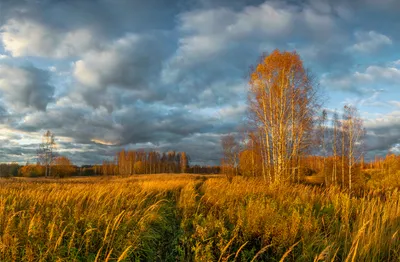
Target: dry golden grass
[193, 218]
[81, 219]
[323, 223]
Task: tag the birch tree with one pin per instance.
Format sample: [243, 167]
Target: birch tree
[335, 131]
[322, 129]
[184, 162]
[230, 150]
[45, 152]
[354, 132]
[282, 103]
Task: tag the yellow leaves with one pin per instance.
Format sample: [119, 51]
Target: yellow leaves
[32, 170]
[282, 103]
[62, 161]
[63, 167]
[278, 67]
[250, 162]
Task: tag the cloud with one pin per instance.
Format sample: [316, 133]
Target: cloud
[126, 63]
[208, 32]
[128, 67]
[357, 81]
[158, 127]
[217, 46]
[60, 29]
[383, 131]
[395, 103]
[25, 87]
[368, 42]
[370, 97]
[22, 37]
[379, 73]
[169, 74]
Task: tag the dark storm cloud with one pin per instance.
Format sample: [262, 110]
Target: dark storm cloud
[132, 63]
[112, 18]
[383, 137]
[102, 134]
[25, 87]
[134, 124]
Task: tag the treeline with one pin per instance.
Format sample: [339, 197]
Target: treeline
[339, 153]
[9, 170]
[128, 163]
[61, 167]
[125, 163]
[327, 170]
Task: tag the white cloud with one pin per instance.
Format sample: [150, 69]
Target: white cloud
[52, 69]
[372, 99]
[396, 63]
[395, 103]
[371, 41]
[215, 41]
[373, 75]
[206, 33]
[388, 120]
[376, 73]
[30, 38]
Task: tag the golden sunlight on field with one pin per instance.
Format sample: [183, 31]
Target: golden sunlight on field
[169, 217]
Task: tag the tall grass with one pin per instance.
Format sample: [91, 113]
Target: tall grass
[242, 218]
[194, 218]
[88, 220]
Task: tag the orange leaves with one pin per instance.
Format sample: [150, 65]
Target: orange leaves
[279, 69]
[32, 170]
[250, 163]
[63, 167]
[282, 103]
[62, 160]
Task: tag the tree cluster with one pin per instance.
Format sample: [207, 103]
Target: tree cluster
[141, 162]
[30, 170]
[282, 105]
[342, 147]
[284, 129]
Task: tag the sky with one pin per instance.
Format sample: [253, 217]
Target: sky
[106, 75]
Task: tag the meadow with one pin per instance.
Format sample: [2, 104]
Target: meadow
[183, 217]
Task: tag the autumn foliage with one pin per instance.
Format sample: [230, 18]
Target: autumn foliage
[32, 170]
[282, 106]
[63, 167]
[128, 163]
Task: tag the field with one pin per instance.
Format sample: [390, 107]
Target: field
[193, 218]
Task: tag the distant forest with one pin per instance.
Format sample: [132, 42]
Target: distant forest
[125, 163]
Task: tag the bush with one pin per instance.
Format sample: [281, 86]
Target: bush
[63, 168]
[32, 171]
